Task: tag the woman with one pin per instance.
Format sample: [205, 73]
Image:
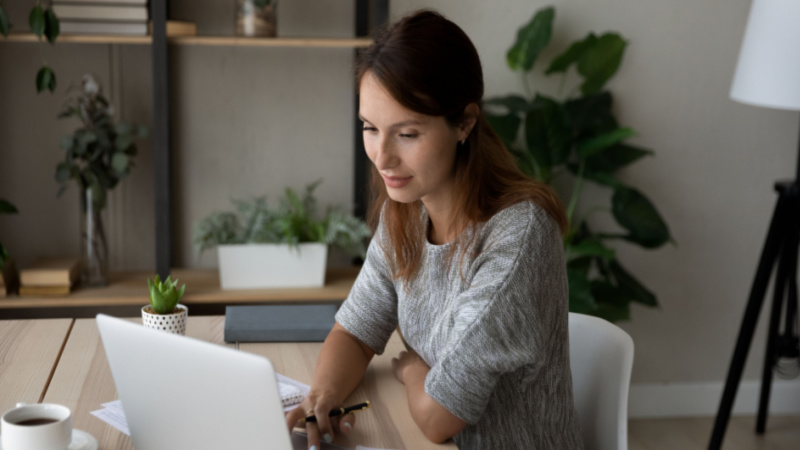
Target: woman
[467, 259]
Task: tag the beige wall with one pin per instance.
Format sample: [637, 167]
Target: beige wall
[250, 121]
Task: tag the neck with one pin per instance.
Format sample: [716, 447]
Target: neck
[440, 231]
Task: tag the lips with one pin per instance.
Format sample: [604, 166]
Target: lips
[395, 182]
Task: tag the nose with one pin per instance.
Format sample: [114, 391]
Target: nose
[385, 156]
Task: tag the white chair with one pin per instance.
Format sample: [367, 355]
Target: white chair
[601, 358]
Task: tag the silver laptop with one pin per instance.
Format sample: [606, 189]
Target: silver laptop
[182, 393]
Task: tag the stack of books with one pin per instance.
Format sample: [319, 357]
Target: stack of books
[109, 17]
[49, 277]
[9, 281]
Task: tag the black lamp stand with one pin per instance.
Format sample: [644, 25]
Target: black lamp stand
[781, 246]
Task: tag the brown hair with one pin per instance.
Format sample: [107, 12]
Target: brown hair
[430, 66]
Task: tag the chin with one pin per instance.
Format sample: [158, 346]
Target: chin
[402, 197]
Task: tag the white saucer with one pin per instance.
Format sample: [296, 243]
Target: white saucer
[81, 440]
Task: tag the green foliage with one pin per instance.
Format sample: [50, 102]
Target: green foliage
[100, 153]
[292, 221]
[579, 136]
[5, 208]
[43, 22]
[5, 25]
[164, 296]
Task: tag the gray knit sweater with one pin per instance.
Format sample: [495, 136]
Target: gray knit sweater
[495, 335]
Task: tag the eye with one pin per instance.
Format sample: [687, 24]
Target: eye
[369, 128]
[408, 135]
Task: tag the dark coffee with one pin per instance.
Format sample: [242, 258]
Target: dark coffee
[35, 422]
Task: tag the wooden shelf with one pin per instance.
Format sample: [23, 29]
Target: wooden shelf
[202, 288]
[234, 41]
[80, 39]
[271, 42]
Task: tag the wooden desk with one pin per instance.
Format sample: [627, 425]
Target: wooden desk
[127, 293]
[29, 350]
[82, 380]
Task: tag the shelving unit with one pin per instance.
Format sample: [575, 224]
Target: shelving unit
[204, 40]
[124, 294]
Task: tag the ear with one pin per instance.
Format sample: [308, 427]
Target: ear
[471, 113]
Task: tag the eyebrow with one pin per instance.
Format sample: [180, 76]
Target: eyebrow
[398, 124]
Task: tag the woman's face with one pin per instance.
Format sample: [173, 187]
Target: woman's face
[414, 153]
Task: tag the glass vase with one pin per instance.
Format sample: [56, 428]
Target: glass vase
[253, 20]
[94, 247]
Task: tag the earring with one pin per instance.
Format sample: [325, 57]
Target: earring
[464, 141]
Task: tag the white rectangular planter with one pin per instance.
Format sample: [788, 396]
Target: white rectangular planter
[256, 266]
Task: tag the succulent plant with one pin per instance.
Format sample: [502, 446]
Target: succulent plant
[164, 296]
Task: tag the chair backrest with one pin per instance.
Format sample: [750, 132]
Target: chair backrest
[601, 358]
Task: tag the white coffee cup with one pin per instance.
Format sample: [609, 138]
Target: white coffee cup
[41, 426]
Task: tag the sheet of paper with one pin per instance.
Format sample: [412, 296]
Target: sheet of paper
[114, 417]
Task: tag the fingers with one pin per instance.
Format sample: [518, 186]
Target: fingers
[346, 423]
[313, 436]
[293, 416]
[323, 425]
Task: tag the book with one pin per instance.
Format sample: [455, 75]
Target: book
[51, 272]
[177, 28]
[174, 28]
[107, 28]
[279, 323]
[44, 291]
[92, 12]
[292, 391]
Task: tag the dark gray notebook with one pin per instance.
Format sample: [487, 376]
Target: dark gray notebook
[279, 323]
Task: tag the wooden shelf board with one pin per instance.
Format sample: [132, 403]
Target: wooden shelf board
[80, 39]
[202, 287]
[201, 40]
[270, 42]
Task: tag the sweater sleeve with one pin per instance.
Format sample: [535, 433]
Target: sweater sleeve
[518, 283]
[370, 311]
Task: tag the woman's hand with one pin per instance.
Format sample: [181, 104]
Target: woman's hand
[408, 359]
[320, 405]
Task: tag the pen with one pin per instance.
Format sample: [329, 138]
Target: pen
[339, 412]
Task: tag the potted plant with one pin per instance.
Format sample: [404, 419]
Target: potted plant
[97, 156]
[8, 273]
[572, 139]
[260, 246]
[165, 311]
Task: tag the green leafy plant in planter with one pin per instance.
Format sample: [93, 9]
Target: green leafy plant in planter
[578, 136]
[293, 221]
[5, 208]
[164, 295]
[44, 24]
[97, 156]
[165, 312]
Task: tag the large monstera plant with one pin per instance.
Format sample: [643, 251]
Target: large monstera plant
[574, 139]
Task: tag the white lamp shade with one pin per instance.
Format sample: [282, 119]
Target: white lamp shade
[768, 72]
